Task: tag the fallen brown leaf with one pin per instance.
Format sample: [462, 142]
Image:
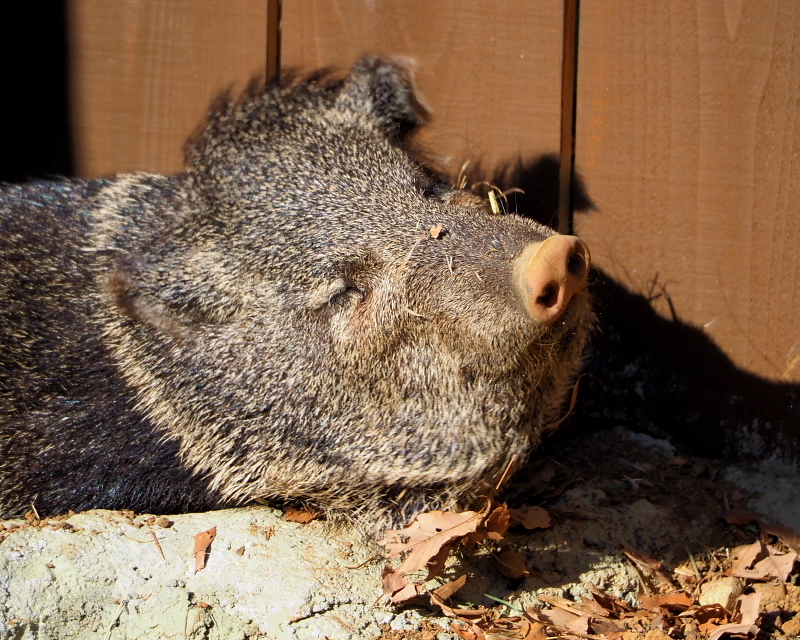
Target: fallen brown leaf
[758, 561]
[427, 535]
[576, 608]
[449, 588]
[531, 517]
[469, 631]
[437, 562]
[580, 625]
[497, 523]
[559, 617]
[748, 607]
[397, 587]
[512, 563]
[786, 535]
[533, 630]
[611, 604]
[436, 231]
[671, 601]
[739, 517]
[202, 542]
[749, 630]
[303, 516]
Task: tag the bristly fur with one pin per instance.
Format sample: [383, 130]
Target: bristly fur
[273, 322]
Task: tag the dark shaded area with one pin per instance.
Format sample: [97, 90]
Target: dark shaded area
[531, 187]
[661, 376]
[71, 435]
[649, 373]
[35, 110]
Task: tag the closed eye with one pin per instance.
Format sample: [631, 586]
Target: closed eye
[344, 295]
[430, 186]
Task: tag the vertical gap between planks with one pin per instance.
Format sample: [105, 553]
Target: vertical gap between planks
[569, 82]
[273, 39]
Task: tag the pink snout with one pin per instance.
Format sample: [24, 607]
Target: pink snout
[549, 273]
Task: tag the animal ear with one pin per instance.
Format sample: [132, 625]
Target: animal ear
[384, 88]
[142, 308]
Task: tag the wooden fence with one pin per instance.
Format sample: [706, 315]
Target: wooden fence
[687, 129]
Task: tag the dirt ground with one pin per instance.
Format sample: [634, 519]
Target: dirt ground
[635, 550]
[632, 518]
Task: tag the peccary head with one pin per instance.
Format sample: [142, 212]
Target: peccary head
[319, 317]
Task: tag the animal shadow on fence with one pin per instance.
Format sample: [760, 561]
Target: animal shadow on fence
[658, 375]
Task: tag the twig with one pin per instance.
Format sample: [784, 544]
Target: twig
[116, 619]
[373, 557]
[694, 564]
[158, 545]
[712, 557]
[506, 472]
[408, 256]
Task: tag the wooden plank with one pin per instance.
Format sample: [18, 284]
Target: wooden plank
[274, 10]
[491, 71]
[143, 73]
[688, 136]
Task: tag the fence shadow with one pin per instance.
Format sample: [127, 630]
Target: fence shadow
[662, 376]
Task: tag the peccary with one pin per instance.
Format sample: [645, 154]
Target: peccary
[306, 313]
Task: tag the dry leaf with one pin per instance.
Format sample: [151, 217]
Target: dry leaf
[531, 517]
[671, 601]
[760, 562]
[677, 461]
[611, 604]
[776, 566]
[449, 588]
[437, 562]
[436, 231]
[580, 625]
[559, 617]
[406, 593]
[749, 606]
[427, 535]
[533, 630]
[734, 629]
[469, 631]
[303, 516]
[497, 523]
[739, 516]
[605, 626]
[746, 556]
[202, 541]
[397, 587]
[512, 563]
[786, 535]
[575, 608]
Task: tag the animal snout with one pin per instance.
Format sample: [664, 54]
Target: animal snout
[549, 273]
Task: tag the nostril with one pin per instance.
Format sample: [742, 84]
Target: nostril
[576, 265]
[549, 274]
[549, 296]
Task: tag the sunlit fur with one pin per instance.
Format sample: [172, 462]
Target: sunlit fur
[275, 322]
